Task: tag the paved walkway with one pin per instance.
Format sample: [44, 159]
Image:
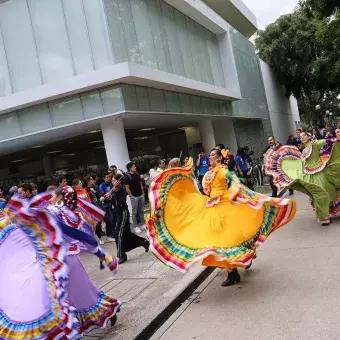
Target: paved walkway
[290, 293]
[144, 285]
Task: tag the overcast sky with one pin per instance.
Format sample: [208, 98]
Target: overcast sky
[267, 11]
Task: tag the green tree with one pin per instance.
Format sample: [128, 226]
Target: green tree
[321, 8]
[294, 47]
[290, 47]
[327, 14]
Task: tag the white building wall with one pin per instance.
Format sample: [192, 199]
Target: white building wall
[284, 112]
[225, 133]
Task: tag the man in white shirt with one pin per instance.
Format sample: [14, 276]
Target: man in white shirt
[155, 169]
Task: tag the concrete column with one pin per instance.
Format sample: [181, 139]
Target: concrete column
[115, 142]
[225, 133]
[207, 135]
[48, 165]
[193, 137]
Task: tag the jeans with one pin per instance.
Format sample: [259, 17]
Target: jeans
[110, 221]
[138, 209]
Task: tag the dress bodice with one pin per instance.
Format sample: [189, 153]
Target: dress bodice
[215, 182]
[311, 160]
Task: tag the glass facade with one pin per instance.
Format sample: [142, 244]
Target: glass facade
[253, 103]
[105, 102]
[63, 38]
[154, 34]
[61, 112]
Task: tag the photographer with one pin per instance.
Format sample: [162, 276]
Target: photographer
[202, 165]
[125, 239]
[243, 168]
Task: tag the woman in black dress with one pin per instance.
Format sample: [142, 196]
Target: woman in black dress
[126, 240]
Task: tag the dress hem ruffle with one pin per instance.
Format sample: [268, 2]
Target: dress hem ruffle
[60, 321]
[277, 213]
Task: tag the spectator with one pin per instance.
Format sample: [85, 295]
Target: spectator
[202, 165]
[25, 190]
[61, 182]
[89, 184]
[12, 191]
[112, 171]
[220, 147]
[81, 192]
[134, 188]
[2, 199]
[242, 167]
[329, 131]
[316, 134]
[249, 153]
[155, 169]
[51, 188]
[175, 163]
[297, 140]
[162, 166]
[291, 140]
[34, 189]
[107, 202]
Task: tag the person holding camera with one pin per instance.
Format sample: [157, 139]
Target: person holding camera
[126, 240]
[202, 165]
[243, 168]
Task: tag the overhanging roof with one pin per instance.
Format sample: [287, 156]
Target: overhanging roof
[236, 13]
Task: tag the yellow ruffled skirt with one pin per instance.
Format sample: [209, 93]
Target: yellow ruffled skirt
[185, 226]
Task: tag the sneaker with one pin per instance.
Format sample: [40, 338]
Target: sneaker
[143, 227]
[101, 242]
[110, 239]
[138, 230]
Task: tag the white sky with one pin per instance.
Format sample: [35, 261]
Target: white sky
[267, 11]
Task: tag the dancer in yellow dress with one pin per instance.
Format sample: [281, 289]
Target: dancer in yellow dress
[223, 227]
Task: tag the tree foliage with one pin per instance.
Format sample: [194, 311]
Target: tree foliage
[303, 49]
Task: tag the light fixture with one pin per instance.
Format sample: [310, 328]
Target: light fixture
[68, 154]
[93, 131]
[53, 152]
[148, 129]
[141, 138]
[96, 141]
[17, 161]
[38, 146]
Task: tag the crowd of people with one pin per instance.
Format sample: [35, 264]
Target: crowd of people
[199, 211]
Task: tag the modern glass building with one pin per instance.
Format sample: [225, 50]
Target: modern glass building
[88, 82]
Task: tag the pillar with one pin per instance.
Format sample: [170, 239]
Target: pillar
[48, 165]
[207, 135]
[115, 142]
[225, 133]
[193, 137]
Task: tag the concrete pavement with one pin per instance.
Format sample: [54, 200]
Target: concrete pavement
[291, 292]
[145, 286]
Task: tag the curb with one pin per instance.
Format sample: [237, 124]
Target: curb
[148, 332]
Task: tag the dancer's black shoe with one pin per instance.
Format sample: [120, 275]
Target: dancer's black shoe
[146, 245]
[122, 259]
[249, 265]
[233, 277]
[113, 320]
